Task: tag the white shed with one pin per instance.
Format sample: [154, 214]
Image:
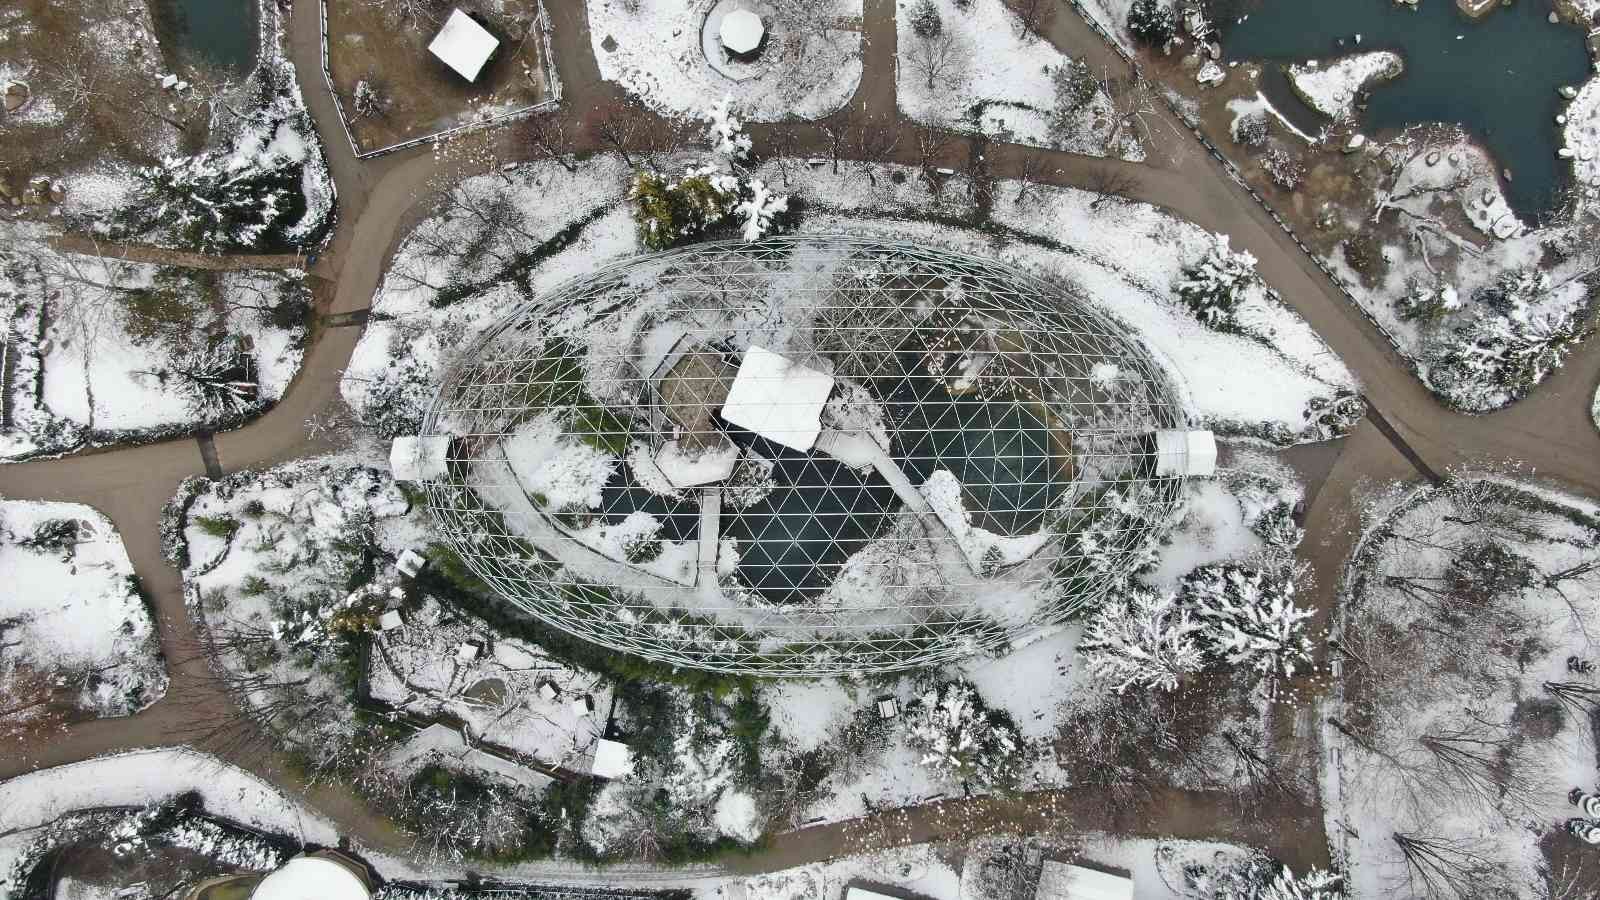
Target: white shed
[1064, 881]
[464, 45]
[419, 457]
[778, 399]
[612, 759]
[1191, 453]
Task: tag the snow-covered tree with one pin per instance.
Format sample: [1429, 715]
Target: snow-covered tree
[925, 20]
[727, 135]
[1074, 85]
[760, 209]
[368, 100]
[1152, 21]
[212, 202]
[1142, 638]
[670, 211]
[1428, 301]
[214, 380]
[1215, 285]
[1523, 333]
[962, 739]
[1249, 615]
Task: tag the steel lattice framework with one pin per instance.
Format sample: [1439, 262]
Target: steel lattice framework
[986, 463]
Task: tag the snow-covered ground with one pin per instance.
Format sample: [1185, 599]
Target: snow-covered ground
[999, 82]
[418, 667]
[1455, 734]
[1275, 381]
[1332, 88]
[108, 351]
[71, 619]
[809, 67]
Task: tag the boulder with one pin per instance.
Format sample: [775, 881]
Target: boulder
[16, 96]
[1211, 74]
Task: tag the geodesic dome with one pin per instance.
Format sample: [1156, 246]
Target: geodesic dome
[808, 455]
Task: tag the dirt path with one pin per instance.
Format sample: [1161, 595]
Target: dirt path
[1550, 431]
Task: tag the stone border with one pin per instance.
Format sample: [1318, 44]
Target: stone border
[551, 76]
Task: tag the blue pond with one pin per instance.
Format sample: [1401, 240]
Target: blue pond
[222, 32]
[1498, 77]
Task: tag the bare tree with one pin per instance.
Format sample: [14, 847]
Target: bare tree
[416, 15]
[29, 706]
[783, 140]
[836, 131]
[1109, 183]
[548, 135]
[623, 128]
[938, 58]
[1034, 17]
[1446, 868]
[872, 143]
[1028, 179]
[932, 142]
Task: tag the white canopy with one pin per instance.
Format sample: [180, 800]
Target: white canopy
[311, 878]
[1192, 453]
[778, 399]
[414, 458]
[1061, 881]
[464, 45]
[741, 31]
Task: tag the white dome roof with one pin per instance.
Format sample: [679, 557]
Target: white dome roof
[742, 31]
[311, 878]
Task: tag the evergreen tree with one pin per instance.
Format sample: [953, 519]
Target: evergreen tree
[1152, 21]
[1250, 616]
[1215, 285]
[963, 739]
[925, 21]
[1142, 638]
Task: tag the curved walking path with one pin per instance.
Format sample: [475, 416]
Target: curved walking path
[1549, 432]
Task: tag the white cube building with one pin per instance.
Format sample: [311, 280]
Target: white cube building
[464, 45]
[1186, 453]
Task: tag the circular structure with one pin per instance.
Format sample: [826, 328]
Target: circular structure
[741, 32]
[807, 455]
[312, 878]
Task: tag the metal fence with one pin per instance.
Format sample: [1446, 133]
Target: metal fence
[1238, 179]
[551, 77]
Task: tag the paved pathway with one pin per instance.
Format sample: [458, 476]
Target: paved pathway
[1550, 432]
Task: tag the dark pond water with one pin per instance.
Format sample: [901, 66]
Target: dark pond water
[223, 32]
[1497, 77]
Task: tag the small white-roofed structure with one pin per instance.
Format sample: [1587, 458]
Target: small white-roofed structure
[612, 759]
[423, 458]
[464, 45]
[1064, 881]
[1186, 453]
[312, 878]
[778, 399]
[411, 563]
[390, 620]
[742, 31]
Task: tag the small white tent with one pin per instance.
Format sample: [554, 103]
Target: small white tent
[464, 45]
[424, 458]
[1189, 453]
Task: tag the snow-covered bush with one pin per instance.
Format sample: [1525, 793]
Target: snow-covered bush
[1428, 302]
[1153, 22]
[1522, 333]
[962, 739]
[1249, 616]
[1284, 168]
[1074, 85]
[1142, 639]
[1258, 877]
[1251, 129]
[1215, 285]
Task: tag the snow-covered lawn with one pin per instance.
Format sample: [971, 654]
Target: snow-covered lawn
[809, 67]
[106, 351]
[1470, 617]
[1332, 88]
[72, 624]
[979, 73]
